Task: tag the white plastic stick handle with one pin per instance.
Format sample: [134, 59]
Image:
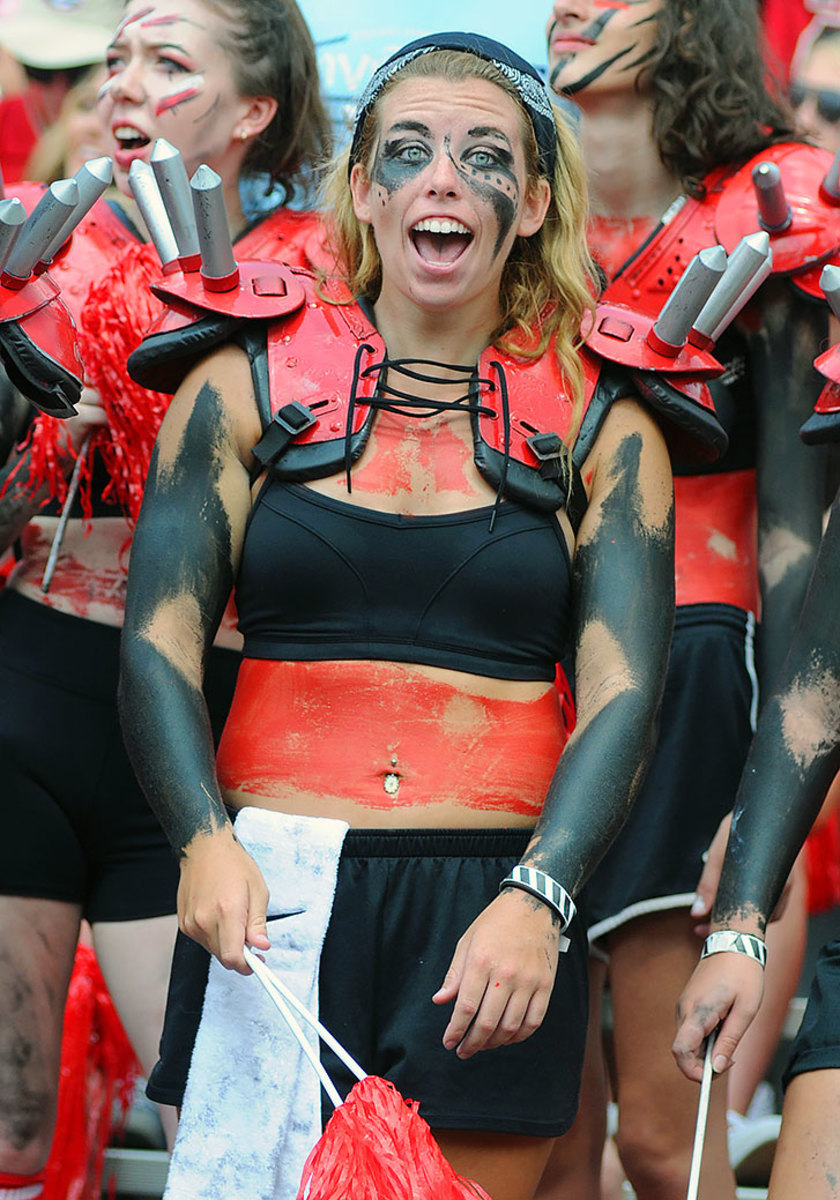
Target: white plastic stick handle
[324, 1033]
[702, 1115]
[268, 981]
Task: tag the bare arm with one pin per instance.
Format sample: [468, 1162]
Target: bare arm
[793, 758]
[183, 562]
[624, 584]
[790, 475]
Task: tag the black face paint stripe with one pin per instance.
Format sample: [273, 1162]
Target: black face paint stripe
[572, 88]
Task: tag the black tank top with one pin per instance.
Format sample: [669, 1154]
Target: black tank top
[324, 579]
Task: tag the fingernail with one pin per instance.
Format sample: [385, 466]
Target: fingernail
[719, 1064]
[698, 907]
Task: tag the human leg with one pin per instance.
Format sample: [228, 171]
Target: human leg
[37, 946]
[135, 958]
[807, 1161]
[573, 1169]
[507, 1166]
[650, 958]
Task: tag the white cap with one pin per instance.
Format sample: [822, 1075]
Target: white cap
[56, 34]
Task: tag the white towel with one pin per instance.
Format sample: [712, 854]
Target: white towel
[251, 1109]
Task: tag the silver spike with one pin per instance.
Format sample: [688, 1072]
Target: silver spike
[774, 213]
[218, 264]
[830, 284]
[830, 186]
[92, 178]
[693, 290]
[141, 180]
[171, 176]
[12, 217]
[749, 265]
[44, 222]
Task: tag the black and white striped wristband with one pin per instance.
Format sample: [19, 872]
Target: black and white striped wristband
[529, 879]
[737, 943]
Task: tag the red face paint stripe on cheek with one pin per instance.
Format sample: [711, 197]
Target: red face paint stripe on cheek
[172, 19]
[171, 101]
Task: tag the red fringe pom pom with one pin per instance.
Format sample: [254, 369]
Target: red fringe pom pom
[376, 1146]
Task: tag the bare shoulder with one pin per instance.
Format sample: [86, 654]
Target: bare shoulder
[630, 452]
[221, 385]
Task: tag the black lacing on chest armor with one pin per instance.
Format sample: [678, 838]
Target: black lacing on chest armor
[389, 398]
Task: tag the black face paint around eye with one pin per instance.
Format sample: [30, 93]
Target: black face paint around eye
[495, 184]
[391, 170]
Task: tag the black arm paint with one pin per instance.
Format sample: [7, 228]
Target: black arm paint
[182, 548]
[783, 784]
[790, 475]
[624, 580]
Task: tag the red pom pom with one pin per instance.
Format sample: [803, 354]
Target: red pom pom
[98, 1067]
[118, 311]
[376, 1146]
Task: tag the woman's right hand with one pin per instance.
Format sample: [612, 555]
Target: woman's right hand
[222, 898]
[90, 415]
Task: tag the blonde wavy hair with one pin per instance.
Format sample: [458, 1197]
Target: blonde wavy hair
[549, 282]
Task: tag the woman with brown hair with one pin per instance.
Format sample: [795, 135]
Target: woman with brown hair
[676, 114]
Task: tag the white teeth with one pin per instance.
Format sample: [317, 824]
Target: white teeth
[127, 131]
[433, 225]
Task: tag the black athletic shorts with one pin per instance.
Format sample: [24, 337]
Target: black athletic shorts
[816, 1046]
[78, 827]
[403, 899]
[707, 720]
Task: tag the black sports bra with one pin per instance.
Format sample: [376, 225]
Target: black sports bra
[324, 579]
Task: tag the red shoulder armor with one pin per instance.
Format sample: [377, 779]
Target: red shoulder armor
[824, 423]
[201, 314]
[196, 319]
[323, 365]
[813, 233]
[727, 212]
[38, 345]
[670, 381]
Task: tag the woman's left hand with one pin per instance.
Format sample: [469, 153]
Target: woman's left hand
[501, 975]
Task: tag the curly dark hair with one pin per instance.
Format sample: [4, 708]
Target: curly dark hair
[714, 100]
[273, 54]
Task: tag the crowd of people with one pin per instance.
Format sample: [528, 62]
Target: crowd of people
[548, 635]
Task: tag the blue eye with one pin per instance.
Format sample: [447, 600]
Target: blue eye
[482, 158]
[412, 154]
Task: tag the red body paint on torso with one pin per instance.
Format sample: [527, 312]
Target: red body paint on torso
[380, 743]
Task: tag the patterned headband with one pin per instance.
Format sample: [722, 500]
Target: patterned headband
[531, 89]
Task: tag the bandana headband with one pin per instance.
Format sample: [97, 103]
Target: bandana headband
[532, 91]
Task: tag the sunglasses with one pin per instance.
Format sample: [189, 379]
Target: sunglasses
[827, 101]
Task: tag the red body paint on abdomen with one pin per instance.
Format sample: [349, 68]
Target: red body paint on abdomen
[384, 736]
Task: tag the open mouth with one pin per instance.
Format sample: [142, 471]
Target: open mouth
[128, 138]
[440, 240]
